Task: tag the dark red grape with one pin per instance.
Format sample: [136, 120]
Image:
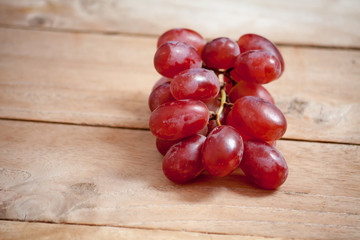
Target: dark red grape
[161, 81]
[263, 164]
[222, 151]
[257, 118]
[184, 35]
[174, 57]
[220, 53]
[182, 162]
[213, 104]
[203, 131]
[178, 119]
[256, 66]
[244, 88]
[160, 95]
[164, 145]
[249, 42]
[195, 83]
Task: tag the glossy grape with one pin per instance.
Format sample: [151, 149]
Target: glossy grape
[160, 95]
[222, 151]
[195, 83]
[178, 119]
[244, 88]
[263, 165]
[249, 42]
[161, 81]
[182, 163]
[256, 66]
[184, 35]
[258, 119]
[220, 53]
[174, 57]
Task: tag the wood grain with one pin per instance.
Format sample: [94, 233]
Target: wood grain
[105, 176]
[11, 230]
[105, 80]
[323, 23]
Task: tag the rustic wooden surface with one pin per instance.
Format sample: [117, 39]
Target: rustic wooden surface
[323, 22]
[77, 159]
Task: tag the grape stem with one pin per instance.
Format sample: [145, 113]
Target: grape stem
[221, 108]
[223, 98]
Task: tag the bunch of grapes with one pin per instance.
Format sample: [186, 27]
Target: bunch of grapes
[210, 111]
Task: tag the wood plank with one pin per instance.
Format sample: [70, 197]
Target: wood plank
[11, 230]
[106, 80]
[324, 22]
[107, 176]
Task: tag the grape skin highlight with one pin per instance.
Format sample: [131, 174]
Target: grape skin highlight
[178, 119]
[174, 57]
[195, 83]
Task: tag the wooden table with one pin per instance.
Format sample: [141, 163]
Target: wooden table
[77, 160]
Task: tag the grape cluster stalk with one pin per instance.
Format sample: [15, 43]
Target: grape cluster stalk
[210, 111]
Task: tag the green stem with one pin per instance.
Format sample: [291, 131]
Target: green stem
[221, 108]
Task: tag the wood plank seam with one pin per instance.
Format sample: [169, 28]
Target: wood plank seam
[147, 35]
[126, 227]
[147, 129]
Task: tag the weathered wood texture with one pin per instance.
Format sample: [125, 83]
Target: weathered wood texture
[106, 80]
[11, 230]
[322, 22]
[84, 62]
[106, 176]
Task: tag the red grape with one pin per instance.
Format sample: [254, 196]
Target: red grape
[263, 164]
[258, 118]
[256, 66]
[184, 35]
[164, 145]
[203, 131]
[249, 42]
[220, 53]
[243, 88]
[182, 163]
[231, 122]
[178, 119]
[195, 83]
[160, 95]
[213, 104]
[161, 81]
[222, 151]
[174, 57]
